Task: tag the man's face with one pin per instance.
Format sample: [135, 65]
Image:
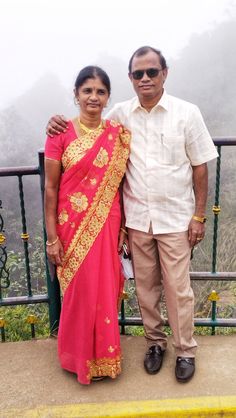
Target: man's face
[148, 87]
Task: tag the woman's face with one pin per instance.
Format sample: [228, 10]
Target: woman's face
[92, 96]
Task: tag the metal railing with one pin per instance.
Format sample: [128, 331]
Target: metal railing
[212, 322]
[52, 297]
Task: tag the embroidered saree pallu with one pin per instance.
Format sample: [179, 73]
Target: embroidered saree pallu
[88, 226]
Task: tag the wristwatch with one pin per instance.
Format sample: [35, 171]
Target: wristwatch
[199, 219]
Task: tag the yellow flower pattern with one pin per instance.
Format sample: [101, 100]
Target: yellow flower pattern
[63, 217]
[79, 201]
[101, 158]
[93, 182]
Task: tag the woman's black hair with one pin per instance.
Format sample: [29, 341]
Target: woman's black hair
[92, 71]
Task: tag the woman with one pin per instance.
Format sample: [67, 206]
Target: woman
[84, 167]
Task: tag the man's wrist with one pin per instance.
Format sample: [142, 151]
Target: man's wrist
[201, 219]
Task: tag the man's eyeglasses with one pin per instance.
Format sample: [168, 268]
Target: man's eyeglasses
[151, 72]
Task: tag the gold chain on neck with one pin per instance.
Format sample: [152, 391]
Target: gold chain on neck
[86, 130]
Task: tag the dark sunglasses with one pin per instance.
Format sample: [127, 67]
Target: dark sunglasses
[151, 72]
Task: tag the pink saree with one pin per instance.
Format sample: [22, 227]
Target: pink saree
[88, 226]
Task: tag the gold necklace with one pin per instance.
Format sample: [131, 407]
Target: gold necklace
[89, 130]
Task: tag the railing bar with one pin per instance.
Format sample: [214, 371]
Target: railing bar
[220, 322]
[217, 275]
[217, 279]
[24, 300]
[228, 276]
[228, 141]
[16, 171]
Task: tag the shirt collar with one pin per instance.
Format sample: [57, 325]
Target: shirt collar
[163, 102]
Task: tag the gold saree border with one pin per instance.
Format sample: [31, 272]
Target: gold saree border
[105, 366]
[97, 213]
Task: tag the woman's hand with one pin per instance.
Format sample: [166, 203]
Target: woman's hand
[123, 239]
[55, 253]
[56, 125]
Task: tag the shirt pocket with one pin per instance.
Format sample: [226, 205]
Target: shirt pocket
[173, 149]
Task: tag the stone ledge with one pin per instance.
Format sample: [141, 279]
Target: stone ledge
[31, 379]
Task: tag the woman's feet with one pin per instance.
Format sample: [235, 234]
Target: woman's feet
[97, 378]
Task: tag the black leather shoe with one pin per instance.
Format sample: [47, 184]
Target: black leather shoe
[184, 369]
[153, 359]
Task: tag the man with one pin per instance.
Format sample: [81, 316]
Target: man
[165, 194]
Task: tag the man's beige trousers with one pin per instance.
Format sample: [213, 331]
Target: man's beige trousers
[162, 261]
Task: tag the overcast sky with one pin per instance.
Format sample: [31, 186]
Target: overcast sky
[62, 36]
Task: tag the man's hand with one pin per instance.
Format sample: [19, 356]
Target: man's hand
[196, 232]
[56, 125]
[123, 239]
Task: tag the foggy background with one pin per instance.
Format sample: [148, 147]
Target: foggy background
[44, 44]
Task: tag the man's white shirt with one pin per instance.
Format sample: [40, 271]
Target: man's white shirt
[166, 142]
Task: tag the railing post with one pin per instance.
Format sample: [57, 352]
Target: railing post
[52, 282]
[122, 317]
[25, 235]
[213, 297]
[4, 272]
[122, 311]
[216, 210]
[2, 329]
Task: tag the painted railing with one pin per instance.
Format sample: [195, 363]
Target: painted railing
[52, 297]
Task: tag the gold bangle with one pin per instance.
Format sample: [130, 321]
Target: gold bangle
[124, 230]
[199, 219]
[49, 244]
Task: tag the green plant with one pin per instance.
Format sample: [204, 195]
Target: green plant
[17, 268]
[16, 326]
